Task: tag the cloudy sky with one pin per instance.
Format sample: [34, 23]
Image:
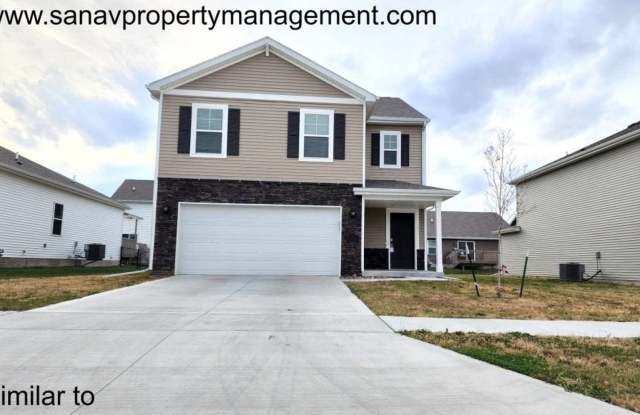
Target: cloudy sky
[558, 74]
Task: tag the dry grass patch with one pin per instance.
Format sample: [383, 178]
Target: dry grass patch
[544, 299]
[27, 293]
[606, 369]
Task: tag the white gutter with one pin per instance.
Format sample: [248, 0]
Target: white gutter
[404, 194]
[377, 119]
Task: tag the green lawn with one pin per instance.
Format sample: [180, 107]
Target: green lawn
[546, 299]
[606, 369]
[38, 272]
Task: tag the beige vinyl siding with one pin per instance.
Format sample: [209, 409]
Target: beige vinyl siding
[575, 211]
[266, 74]
[412, 173]
[263, 145]
[375, 230]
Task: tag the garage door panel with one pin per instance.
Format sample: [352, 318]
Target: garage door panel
[258, 239]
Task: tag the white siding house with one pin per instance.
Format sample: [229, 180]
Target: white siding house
[141, 226]
[584, 203]
[138, 196]
[34, 232]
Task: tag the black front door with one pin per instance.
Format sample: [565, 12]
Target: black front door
[402, 240]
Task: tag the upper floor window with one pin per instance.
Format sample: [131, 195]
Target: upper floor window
[390, 149]
[209, 130]
[316, 135]
[58, 210]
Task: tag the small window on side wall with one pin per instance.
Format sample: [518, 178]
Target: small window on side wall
[58, 211]
[390, 149]
[209, 130]
[316, 135]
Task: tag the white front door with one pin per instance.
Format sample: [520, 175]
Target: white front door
[229, 239]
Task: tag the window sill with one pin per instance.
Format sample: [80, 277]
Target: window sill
[314, 159]
[208, 155]
[389, 167]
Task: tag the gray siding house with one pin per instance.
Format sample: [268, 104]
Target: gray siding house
[581, 204]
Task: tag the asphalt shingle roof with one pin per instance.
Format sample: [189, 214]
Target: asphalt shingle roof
[396, 184]
[30, 168]
[133, 190]
[393, 107]
[470, 225]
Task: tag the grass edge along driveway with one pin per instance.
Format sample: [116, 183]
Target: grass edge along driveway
[605, 369]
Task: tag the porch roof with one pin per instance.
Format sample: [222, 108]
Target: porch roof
[398, 190]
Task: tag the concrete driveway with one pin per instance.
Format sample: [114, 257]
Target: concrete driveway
[212, 345]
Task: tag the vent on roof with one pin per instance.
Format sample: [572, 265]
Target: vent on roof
[18, 161]
[133, 188]
[634, 125]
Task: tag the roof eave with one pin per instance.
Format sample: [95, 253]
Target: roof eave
[406, 193]
[377, 119]
[42, 180]
[577, 156]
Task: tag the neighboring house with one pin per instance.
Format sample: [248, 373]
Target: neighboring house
[580, 205]
[138, 195]
[467, 231]
[47, 218]
[267, 163]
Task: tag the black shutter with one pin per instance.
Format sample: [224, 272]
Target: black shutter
[405, 150]
[375, 149]
[293, 135]
[338, 136]
[184, 130]
[233, 132]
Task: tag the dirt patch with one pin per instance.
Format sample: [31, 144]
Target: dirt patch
[543, 299]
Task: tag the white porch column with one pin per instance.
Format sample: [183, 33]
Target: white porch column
[439, 267]
[425, 223]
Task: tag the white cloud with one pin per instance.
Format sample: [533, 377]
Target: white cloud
[559, 75]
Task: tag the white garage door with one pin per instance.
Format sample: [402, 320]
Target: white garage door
[226, 239]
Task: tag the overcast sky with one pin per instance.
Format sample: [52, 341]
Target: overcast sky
[558, 74]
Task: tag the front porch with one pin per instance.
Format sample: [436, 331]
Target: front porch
[395, 231]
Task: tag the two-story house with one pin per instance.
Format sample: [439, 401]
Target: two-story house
[269, 163]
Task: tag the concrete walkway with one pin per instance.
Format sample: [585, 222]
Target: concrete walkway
[534, 327]
[253, 345]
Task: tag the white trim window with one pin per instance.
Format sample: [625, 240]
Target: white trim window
[463, 246]
[209, 130]
[316, 135]
[390, 149]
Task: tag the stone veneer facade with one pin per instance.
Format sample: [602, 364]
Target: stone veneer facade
[171, 191]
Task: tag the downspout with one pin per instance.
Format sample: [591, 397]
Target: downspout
[155, 184]
[364, 182]
[424, 152]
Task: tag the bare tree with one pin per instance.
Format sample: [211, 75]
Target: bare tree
[501, 168]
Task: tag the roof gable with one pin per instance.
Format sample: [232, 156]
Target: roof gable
[263, 73]
[132, 190]
[263, 46]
